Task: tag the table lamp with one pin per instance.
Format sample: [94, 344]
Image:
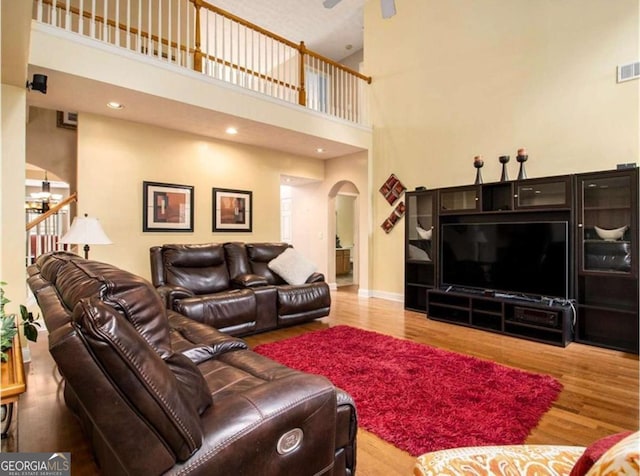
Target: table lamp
[87, 231]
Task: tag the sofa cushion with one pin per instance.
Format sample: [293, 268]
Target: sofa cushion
[594, 451]
[130, 295]
[75, 278]
[292, 266]
[143, 378]
[498, 460]
[199, 268]
[232, 311]
[623, 458]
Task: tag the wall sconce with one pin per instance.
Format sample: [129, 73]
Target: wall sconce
[87, 231]
[39, 83]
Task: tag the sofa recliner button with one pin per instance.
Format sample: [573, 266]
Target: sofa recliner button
[290, 441]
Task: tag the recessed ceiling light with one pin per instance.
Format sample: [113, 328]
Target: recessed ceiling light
[319, 150]
[231, 130]
[114, 105]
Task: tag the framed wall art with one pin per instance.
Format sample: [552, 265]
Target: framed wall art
[232, 210]
[392, 189]
[395, 216]
[167, 207]
[67, 120]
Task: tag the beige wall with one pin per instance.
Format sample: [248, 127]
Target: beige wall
[458, 78]
[12, 177]
[115, 157]
[50, 147]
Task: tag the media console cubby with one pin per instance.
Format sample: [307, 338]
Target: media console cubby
[541, 322]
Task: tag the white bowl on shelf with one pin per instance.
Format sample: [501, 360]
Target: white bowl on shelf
[610, 235]
[424, 234]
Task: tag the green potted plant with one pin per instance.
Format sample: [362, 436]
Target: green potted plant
[8, 328]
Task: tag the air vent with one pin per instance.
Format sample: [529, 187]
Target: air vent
[627, 72]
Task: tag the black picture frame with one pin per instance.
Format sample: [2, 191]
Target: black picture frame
[167, 207]
[232, 210]
[67, 120]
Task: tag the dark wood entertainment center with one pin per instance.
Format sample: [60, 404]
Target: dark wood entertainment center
[602, 296]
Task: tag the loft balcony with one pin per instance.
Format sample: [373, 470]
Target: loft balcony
[197, 37]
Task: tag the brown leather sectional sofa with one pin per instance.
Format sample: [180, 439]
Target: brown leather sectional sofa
[230, 286]
[159, 393]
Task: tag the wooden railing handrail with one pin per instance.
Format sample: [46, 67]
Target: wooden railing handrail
[257, 74]
[301, 49]
[193, 46]
[242, 21]
[335, 64]
[71, 198]
[85, 14]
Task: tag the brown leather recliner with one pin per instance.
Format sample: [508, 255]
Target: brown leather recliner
[295, 303]
[231, 288]
[159, 393]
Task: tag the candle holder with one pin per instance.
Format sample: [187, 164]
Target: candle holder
[504, 159]
[522, 158]
[478, 163]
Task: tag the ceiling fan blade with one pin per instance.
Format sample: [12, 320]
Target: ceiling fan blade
[330, 3]
[388, 8]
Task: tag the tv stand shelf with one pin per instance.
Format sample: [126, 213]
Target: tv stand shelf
[541, 322]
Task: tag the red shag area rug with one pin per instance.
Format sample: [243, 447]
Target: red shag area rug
[420, 398]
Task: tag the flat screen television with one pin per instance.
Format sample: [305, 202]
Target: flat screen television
[529, 259]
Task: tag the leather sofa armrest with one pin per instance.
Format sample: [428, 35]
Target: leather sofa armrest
[200, 342]
[249, 281]
[170, 293]
[316, 278]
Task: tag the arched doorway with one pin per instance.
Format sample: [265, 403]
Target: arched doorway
[344, 200]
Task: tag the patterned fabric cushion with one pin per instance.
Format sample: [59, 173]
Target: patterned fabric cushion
[621, 459]
[541, 460]
[594, 451]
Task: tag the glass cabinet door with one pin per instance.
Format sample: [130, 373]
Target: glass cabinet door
[419, 217]
[543, 194]
[459, 200]
[605, 224]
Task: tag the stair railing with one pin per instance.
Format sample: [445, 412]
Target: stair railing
[44, 232]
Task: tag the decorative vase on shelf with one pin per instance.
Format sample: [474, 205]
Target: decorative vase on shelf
[504, 159]
[522, 158]
[478, 163]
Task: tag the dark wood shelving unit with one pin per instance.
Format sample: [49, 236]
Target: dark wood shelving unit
[607, 292]
[551, 324]
[603, 295]
[420, 252]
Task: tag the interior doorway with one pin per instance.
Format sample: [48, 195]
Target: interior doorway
[344, 195]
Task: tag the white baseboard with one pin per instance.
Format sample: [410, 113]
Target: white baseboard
[386, 295]
[368, 293]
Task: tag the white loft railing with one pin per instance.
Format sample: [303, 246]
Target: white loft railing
[196, 35]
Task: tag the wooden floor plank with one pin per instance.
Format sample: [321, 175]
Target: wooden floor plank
[600, 395]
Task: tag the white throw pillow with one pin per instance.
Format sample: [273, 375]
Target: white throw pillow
[292, 266]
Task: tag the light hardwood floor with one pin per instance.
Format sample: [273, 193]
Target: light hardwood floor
[600, 394]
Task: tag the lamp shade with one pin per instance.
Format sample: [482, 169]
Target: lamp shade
[86, 230]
